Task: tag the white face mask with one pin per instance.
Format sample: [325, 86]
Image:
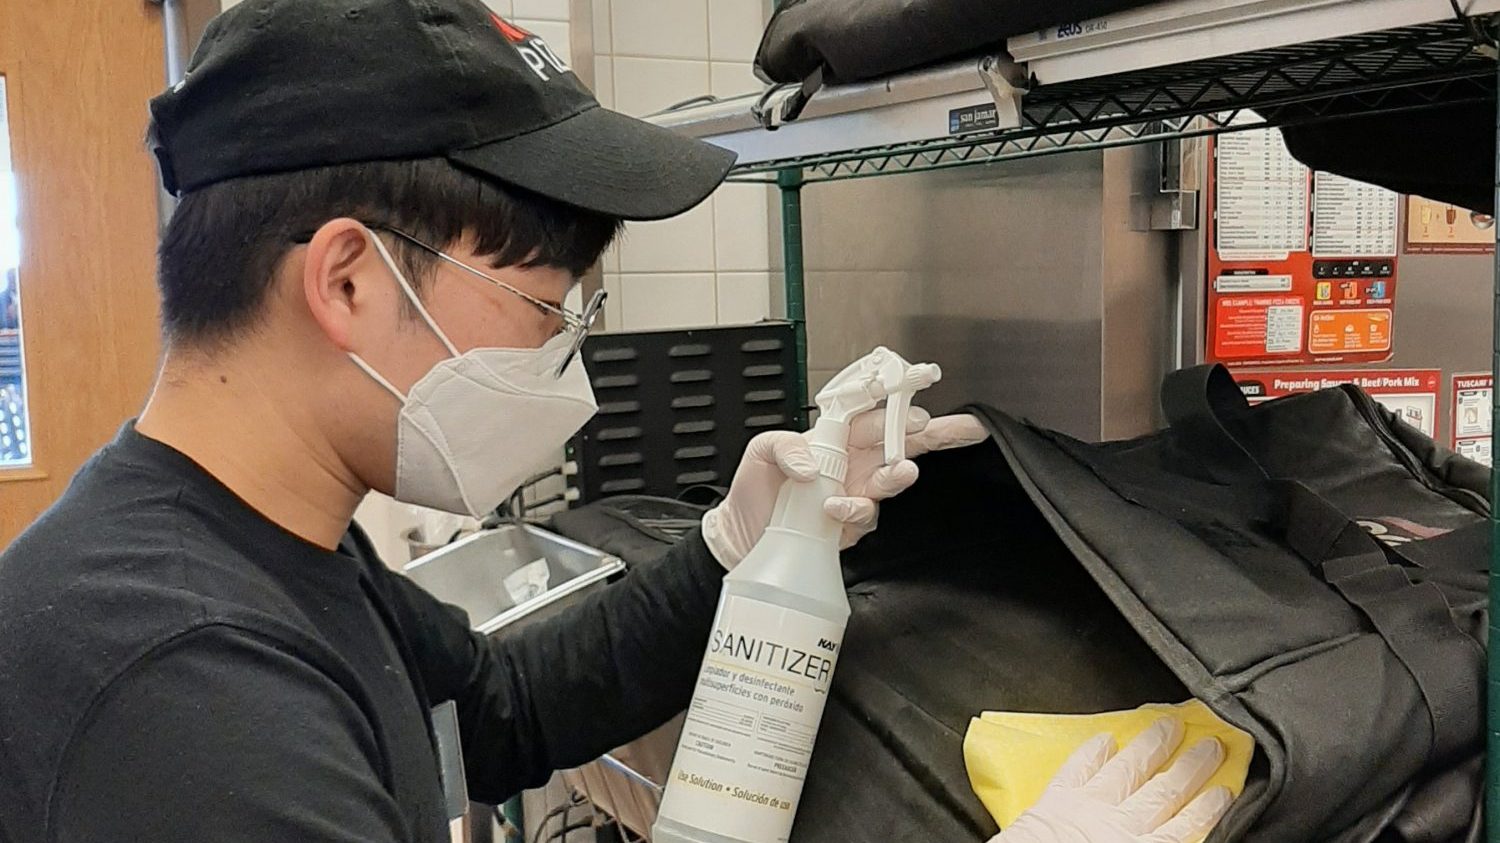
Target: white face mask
[479, 423]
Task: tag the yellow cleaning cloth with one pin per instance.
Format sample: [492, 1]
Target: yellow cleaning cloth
[1011, 757]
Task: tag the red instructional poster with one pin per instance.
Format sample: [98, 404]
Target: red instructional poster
[1411, 393]
[1473, 399]
[1301, 264]
[1437, 228]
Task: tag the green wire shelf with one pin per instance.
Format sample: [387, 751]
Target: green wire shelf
[1393, 70]
[1389, 71]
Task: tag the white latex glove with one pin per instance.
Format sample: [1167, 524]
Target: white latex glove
[736, 524]
[1100, 797]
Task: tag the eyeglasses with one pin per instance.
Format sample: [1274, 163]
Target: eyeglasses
[577, 324]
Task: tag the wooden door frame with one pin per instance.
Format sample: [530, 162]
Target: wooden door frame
[12, 74]
[78, 77]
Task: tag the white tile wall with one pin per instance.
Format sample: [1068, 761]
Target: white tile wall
[679, 300]
[742, 237]
[660, 28]
[603, 43]
[711, 264]
[555, 33]
[743, 297]
[541, 9]
[681, 244]
[645, 85]
[612, 318]
[778, 294]
[732, 78]
[503, 8]
[604, 80]
[734, 28]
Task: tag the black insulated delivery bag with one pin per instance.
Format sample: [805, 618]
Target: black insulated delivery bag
[1312, 568]
[854, 40]
[1315, 571]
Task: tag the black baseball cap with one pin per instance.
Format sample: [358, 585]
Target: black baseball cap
[285, 85]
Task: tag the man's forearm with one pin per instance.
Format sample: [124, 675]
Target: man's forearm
[568, 689]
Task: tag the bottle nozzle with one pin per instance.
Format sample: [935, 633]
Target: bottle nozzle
[880, 375]
[919, 376]
[914, 378]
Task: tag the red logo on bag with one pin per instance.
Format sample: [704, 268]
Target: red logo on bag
[1397, 531]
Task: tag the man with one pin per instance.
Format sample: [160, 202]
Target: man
[384, 204]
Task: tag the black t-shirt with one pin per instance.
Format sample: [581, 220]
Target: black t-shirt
[174, 666]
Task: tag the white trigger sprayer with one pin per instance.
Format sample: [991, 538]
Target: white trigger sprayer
[749, 732]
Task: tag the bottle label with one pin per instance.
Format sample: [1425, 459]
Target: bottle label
[749, 732]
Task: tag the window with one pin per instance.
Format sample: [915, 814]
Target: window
[15, 426]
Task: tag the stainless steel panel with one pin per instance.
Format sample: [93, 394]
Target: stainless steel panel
[1023, 281]
[1138, 288]
[1165, 195]
[1189, 300]
[990, 272]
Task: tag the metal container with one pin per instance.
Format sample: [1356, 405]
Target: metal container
[471, 573]
[628, 783]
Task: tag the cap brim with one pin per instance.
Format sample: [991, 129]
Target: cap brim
[604, 161]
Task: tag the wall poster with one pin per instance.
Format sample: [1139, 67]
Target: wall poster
[1301, 264]
[1411, 393]
[1437, 228]
[1472, 402]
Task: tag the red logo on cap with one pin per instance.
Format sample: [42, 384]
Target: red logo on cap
[537, 55]
[514, 34]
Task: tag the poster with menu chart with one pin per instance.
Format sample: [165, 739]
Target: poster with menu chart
[1302, 265]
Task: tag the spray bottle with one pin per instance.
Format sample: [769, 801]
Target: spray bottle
[749, 731]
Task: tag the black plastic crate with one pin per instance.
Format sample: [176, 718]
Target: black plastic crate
[676, 408]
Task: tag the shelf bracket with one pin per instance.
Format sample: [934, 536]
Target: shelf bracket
[1007, 83]
[1165, 192]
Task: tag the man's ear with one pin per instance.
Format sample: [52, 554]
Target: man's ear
[339, 257]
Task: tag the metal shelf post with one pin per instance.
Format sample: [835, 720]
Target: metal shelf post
[790, 182]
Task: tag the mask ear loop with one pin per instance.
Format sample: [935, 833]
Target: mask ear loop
[380, 379]
[411, 294]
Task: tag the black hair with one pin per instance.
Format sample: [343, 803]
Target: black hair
[226, 241]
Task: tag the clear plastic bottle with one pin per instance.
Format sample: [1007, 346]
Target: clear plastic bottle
[749, 732]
